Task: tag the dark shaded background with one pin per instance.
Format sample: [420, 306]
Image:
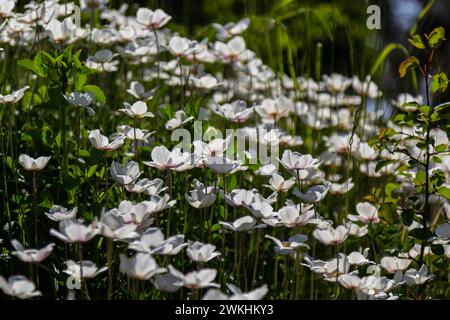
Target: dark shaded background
[351, 50]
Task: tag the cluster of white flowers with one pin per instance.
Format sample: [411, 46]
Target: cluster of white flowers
[268, 108]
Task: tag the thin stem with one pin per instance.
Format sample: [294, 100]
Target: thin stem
[34, 210]
[109, 248]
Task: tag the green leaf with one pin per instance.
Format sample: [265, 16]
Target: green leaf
[437, 249]
[383, 163]
[407, 217]
[417, 42]
[407, 65]
[30, 65]
[80, 80]
[439, 82]
[445, 192]
[436, 37]
[91, 171]
[391, 187]
[440, 148]
[99, 95]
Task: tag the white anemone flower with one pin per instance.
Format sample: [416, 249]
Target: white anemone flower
[232, 51]
[349, 281]
[243, 224]
[236, 294]
[61, 32]
[82, 100]
[224, 166]
[294, 161]
[6, 8]
[137, 90]
[112, 226]
[101, 142]
[31, 255]
[137, 110]
[231, 29]
[87, 270]
[196, 279]
[336, 82]
[294, 243]
[71, 231]
[19, 287]
[278, 184]
[59, 213]
[273, 110]
[236, 111]
[152, 19]
[314, 194]
[167, 282]
[143, 185]
[394, 264]
[179, 46]
[126, 174]
[141, 266]
[331, 236]
[13, 97]
[200, 252]
[202, 196]
[367, 213]
[180, 119]
[163, 159]
[415, 277]
[31, 164]
[290, 216]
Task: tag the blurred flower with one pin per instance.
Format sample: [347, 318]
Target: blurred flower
[72, 231]
[59, 213]
[231, 29]
[31, 255]
[19, 287]
[14, 96]
[31, 164]
[61, 32]
[152, 19]
[180, 119]
[6, 7]
[137, 90]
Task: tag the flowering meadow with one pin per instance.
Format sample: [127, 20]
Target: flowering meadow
[139, 161]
